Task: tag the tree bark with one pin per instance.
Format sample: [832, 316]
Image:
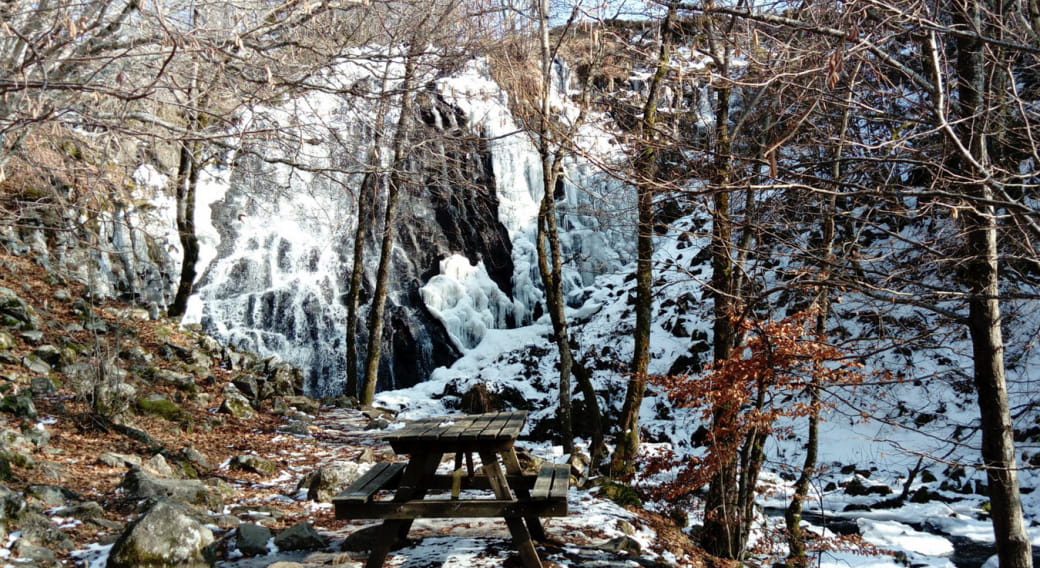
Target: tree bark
[187, 183]
[365, 212]
[982, 279]
[627, 438]
[376, 321]
[550, 255]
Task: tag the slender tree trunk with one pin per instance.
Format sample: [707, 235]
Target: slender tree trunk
[393, 192]
[187, 183]
[797, 557]
[627, 438]
[982, 278]
[366, 195]
[721, 508]
[550, 255]
[365, 212]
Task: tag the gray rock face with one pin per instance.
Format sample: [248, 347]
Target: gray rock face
[12, 505]
[235, 403]
[252, 539]
[325, 482]
[253, 463]
[163, 537]
[300, 536]
[15, 312]
[140, 485]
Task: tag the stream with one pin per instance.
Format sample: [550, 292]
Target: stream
[967, 552]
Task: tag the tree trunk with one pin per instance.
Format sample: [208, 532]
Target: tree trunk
[366, 195]
[627, 438]
[721, 508]
[187, 183]
[393, 192]
[982, 279]
[550, 255]
[365, 213]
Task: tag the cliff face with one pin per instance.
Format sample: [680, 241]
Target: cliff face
[276, 218]
[285, 216]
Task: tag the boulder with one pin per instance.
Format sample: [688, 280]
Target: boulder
[12, 505]
[51, 355]
[253, 463]
[303, 403]
[182, 381]
[114, 459]
[859, 486]
[235, 403]
[20, 405]
[252, 539]
[158, 466]
[138, 484]
[36, 365]
[325, 482]
[50, 495]
[16, 312]
[164, 536]
[40, 531]
[300, 536]
[7, 340]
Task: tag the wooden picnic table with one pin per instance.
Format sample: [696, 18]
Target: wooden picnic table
[521, 499]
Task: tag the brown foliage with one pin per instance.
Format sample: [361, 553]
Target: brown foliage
[743, 396]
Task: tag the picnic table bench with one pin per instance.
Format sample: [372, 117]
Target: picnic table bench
[520, 498]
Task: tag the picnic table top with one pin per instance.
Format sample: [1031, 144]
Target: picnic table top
[495, 430]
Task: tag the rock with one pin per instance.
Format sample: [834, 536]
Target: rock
[41, 386]
[235, 403]
[163, 537]
[138, 484]
[300, 536]
[249, 385]
[33, 556]
[253, 463]
[325, 482]
[303, 403]
[252, 539]
[284, 380]
[624, 544]
[12, 505]
[19, 405]
[50, 495]
[7, 340]
[378, 423]
[114, 459]
[33, 336]
[858, 486]
[196, 458]
[86, 511]
[51, 355]
[157, 465]
[41, 531]
[182, 381]
[36, 365]
[15, 312]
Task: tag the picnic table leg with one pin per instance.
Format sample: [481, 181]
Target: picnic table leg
[517, 528]
[419, 467]
[534, 524]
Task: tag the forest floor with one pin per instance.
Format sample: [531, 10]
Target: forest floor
[597, 532]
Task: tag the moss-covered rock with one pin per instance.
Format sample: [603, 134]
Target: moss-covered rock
[164, 536]
[162, 407]
[621, 494]
[16, 312]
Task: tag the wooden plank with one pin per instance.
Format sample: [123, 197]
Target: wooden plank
[553, 482]
[380, 476]
[543, 484]
[448, 509]
[561, 482]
